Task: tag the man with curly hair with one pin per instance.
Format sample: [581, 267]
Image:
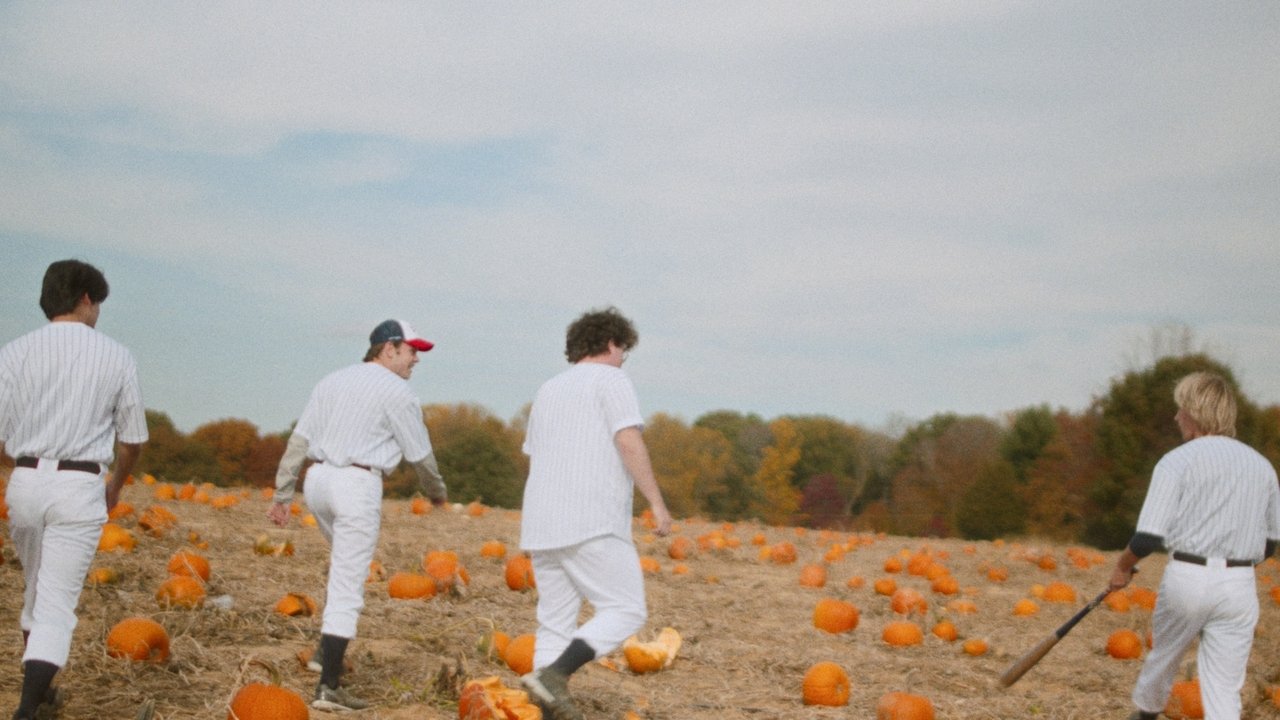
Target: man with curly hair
[587, 456]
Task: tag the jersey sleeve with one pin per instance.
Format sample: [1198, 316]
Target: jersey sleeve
[409, 428]
[130, 413]
[1162, 497]
[621, 406]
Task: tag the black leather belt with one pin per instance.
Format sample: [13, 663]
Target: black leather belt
[366, 468]
[76, 465]
[1198, 560]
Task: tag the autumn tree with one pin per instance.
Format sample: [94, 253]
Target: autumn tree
[822, 505]
[777, 500]
[173, 457]
[690, 463]
[232, 441]
[1055, 489]
[748, 435]
[1030, 430]
[831, 447]
[264, 458]
[937, 461]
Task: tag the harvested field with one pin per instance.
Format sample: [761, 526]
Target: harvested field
[746, 623]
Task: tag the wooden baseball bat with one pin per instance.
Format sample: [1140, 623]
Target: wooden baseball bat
[1028, 661]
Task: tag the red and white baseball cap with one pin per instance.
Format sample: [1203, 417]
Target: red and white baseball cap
[392, 330]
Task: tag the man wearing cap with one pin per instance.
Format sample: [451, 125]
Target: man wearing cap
[69, 403]
[357, 426]
[1214, 505]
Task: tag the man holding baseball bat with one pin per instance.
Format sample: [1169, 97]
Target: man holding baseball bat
[1214, 505]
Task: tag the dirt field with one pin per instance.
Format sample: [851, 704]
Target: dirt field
[746, 624]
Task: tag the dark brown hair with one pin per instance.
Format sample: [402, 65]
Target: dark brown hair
[591, 334]
[65, 282]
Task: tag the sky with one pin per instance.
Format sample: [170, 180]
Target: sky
[875, 211]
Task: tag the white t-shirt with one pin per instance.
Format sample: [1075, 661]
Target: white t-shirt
[578, 488]
[364, 414]
[1214, 497]
[69, 392]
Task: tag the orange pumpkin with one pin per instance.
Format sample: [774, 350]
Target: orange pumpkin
[103, 576]
[646, 657]
[647, 564]
[885, 586]
[420, 506]
[180, 591]
[946, 630]
[296, 605]
[826, 683]
[164, 491]
[855, 582]
[906, 601]
[974, 647]
[140, 639]
[997, 573]
[1117, 601]
[121, 510]
[519, 654]
[262, 701]
[835, 616]
[443, 567]
[680, 548]
[115, 538]
[784, 553]
[1184, 701]
[813, 576]
[185, 562]
[1124, 644]
[1059, 592]
[1144, 598]
[488, 699]
[519, 573]
[411, 586]
[902, 633]
[1025, 606]
[903, 706]
[493, 549]
[893, 565]
[157, 520]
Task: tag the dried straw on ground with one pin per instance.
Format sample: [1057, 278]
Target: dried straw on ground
[746, 624]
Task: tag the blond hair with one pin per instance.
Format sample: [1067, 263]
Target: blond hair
[1209, 400]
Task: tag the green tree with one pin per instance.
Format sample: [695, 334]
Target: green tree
[479, 456]
[748, 436]
[1029, 432]
[831, 447]
[937, 461]
[991, 508]
[1136, 427]
[1055, 490]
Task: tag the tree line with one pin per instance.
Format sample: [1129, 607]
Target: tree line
[1051, 473]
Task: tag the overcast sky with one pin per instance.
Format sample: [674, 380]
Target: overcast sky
[873, 211]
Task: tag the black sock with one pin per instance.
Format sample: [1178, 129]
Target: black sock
[37, 678]
[578, 653]
[332, 650]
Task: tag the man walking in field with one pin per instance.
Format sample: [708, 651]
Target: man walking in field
[1213, 503]
[359, 423]
[69, 403]
[587, 455]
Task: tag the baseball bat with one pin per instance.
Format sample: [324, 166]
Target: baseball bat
[1028, 661]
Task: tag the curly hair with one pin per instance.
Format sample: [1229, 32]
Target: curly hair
[591, 334]
[65, 282]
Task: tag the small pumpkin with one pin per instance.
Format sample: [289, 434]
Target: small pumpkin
[903, 706]
[906, 601]
[813, 576]
[138, 638]
[190, 564]
[1143, 597]
[646, 657]
[493, 549]
[1117, 601]
[519, 573]
[103, 576]
[835, 616]
[519, 654]
[115, 538]
[784, 553]
[826, 683]
[885, 586]
[488, 699]
[411, 586]
[1059, 592]
[267, 701]
[946, 630]
[444, 567]
[974, 647]
[180, 591]
[296, 605]
[680, 548]
[1124, 644]
[1184, 701]
[1025, 606]
[902, 633]
[420, 506]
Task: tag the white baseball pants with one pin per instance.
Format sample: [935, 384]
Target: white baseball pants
[1220, 605]
[55, 520]
[604, 571]
[347, 505]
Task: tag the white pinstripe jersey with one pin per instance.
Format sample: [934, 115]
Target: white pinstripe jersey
[364, 414]
[69, 392]
[1214, 497]
[578, 488]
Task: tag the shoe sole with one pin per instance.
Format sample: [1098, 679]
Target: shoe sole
[537, 689]
[330, 706]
